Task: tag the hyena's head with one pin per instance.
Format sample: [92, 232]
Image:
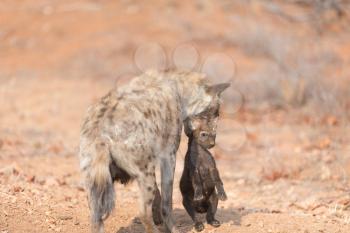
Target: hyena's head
[202, 127]
[200, 95]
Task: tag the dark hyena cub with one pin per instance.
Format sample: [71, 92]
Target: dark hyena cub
[200, 184]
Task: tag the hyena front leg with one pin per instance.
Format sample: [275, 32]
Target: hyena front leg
[156, 207]
[146, 183]
[167, 170]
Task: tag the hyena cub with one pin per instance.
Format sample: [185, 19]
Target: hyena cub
[200, 184]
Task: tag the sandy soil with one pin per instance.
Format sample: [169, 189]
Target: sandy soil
[284, 169]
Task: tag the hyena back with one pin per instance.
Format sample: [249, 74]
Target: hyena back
[131, 129]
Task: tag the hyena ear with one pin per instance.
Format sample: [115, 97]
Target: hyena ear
[217, 89]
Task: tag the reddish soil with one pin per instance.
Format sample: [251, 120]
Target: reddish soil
[285, 168]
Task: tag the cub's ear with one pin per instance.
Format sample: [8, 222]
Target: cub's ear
[194, 124]
[190, 124]
[217, 89]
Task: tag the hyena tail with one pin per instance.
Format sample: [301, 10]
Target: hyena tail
[101, 188]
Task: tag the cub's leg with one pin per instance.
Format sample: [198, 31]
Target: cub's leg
[188, 204]
[214, 174]
[213, 204]
[197, 186]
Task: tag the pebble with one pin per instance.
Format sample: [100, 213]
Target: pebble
[65, 217]
[261, 224]
[10, 170]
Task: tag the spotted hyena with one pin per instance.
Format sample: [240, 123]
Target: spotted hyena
[200, 184]
[131, 129]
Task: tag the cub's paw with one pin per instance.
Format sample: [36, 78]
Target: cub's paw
[214, 223]
[199, 226]
[221, 193]
[198, 197]
[222, 196]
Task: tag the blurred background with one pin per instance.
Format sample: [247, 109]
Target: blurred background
[283, 137]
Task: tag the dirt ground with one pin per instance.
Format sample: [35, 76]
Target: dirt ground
[284, 159]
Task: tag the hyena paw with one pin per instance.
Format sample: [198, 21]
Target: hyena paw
[199, 226]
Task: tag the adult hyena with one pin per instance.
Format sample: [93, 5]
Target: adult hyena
[130, 129]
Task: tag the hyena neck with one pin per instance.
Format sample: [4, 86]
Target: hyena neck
[191, 91]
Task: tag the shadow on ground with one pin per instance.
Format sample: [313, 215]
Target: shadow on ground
[185, 224]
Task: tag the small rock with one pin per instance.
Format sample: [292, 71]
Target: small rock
[61, 182]
[261, 224]
[31, 178]
[40, 180]
[328, 158]
[17, 189]
[5, 213]
[10, 170]
[276, 211]
[241, 182]
[76, 222]
[51, 181]
[65, 217]
[80, 188]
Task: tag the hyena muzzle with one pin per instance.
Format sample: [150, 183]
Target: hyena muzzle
[133, 128]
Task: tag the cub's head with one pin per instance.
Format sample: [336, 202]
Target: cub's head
[202, 127]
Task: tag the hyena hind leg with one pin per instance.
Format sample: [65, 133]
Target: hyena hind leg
[147, 191]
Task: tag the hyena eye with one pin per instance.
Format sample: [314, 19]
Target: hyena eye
[204, 134]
